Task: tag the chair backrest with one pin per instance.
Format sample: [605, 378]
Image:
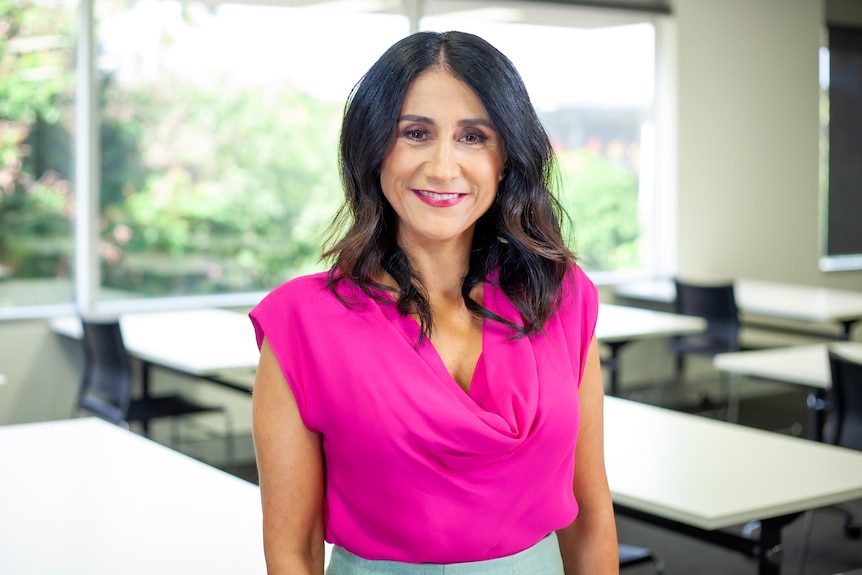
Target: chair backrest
[846, 394]
[716, 303]
[107, 383]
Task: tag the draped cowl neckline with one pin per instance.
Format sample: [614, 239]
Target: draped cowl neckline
[503, 399]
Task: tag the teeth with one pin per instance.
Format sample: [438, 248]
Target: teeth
[436, 196]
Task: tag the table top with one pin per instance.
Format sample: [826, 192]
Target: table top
[196, 341]
[83, 496]
[765, 298]
[714, 474]
[806, 365]
[95, 494]
[624, 323]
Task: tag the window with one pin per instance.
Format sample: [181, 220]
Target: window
[840, 142]
[217, 137]
[36, 123]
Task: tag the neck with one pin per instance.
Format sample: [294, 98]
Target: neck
[442, 269]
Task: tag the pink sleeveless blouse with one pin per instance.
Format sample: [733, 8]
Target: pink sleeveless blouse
[417, 470]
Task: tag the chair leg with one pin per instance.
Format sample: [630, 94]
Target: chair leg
[679, 372]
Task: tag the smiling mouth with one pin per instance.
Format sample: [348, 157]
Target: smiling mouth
[437, 196]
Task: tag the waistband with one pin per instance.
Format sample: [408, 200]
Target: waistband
[543, 558]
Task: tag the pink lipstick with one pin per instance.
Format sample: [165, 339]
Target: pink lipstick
[437, 199]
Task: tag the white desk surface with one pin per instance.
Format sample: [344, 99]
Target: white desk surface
[196, 341]
[84, 497]
[623, 323]
[806, 365]
[713, 474]
[769, 299]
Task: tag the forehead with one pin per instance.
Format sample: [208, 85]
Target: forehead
[440, 90]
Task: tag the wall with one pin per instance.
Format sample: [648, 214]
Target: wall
[41, 378]
[747, 182]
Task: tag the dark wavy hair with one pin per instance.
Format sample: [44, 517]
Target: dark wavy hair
[520, 235]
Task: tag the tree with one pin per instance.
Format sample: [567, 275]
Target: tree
[35, 194]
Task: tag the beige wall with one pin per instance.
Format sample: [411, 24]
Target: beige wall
[41, 377]
[747, 181]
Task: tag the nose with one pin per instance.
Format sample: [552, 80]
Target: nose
[442, 164]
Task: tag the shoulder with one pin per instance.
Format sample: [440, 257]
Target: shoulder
[302, 286]
[292, 298]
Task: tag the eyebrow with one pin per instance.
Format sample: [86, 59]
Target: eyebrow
[465, 122]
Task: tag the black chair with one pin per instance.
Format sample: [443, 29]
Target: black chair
[632, 556]
[716, 303]
[844, 428]
[845, 413]
[106, 387]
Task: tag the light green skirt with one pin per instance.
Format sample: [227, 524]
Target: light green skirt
[543, 558]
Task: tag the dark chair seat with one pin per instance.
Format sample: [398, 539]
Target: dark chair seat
[165, 406]
[632, 555]
[697, 344]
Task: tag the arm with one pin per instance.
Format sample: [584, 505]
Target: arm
[589, 544]
[290, 466]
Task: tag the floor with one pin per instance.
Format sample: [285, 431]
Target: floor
[782, 410]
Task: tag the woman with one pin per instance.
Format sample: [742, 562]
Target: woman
[421, 404]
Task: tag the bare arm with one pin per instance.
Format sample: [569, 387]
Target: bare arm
[290, 465]
[589, 545]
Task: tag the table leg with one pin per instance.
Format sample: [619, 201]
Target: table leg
[733, 400]
[771, 550]
[816, 401]
[613, 365]
[847, 327]
[145, 393]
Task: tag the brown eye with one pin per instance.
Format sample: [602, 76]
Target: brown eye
[415, 134]
[473, 138]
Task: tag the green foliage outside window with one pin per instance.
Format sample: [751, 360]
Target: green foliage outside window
[35, 83]
[601, 199]
[206, 190]
[237, 184]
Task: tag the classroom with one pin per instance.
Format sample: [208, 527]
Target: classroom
[733, 182]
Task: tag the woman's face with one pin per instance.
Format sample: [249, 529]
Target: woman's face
[442, 171]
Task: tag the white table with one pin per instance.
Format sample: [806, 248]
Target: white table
[769, 299]
[803, 365]
[619, 325]
[698, 476]
[205, 343]
[84, 497]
